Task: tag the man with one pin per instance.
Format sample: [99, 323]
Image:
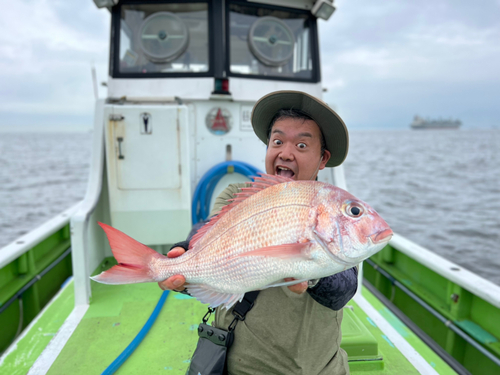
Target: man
[289, 330]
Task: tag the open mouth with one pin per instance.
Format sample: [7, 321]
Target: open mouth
[284, 171]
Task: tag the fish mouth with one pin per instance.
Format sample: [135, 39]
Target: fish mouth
[376, 242]
[281, 170]
[381, 236]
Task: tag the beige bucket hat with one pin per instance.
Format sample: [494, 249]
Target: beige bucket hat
[331, 125]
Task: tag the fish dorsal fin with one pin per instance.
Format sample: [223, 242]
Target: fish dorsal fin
[259, 184]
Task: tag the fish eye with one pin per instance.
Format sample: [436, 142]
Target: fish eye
[354, 210]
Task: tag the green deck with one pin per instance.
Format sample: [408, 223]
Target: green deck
[39, 334]
[117, 313]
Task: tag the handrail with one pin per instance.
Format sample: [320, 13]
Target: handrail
[36, 278]
[26, 242]
[457, 274]
[80, 220]
[448, 323]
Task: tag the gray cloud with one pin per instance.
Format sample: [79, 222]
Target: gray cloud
[385, 62]
[46, 57]
[382, 62]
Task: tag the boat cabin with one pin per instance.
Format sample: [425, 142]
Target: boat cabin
[183, 79]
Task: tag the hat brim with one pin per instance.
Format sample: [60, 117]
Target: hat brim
[331, 125]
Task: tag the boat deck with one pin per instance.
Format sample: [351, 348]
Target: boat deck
[117, 313]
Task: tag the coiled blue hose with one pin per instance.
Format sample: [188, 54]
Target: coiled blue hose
[200, 208]
[137, 340]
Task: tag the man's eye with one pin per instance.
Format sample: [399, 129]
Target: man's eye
[277, 142]
[301, 145]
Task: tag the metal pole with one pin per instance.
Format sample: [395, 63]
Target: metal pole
[94, 81]
[34, 280]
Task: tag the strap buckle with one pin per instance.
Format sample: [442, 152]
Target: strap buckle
[207, 315]
[238, 317]
[235, 321]
[241, 309]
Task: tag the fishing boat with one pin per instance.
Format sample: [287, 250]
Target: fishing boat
[172, 132]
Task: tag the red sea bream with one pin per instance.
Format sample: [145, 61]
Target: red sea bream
[278, 228]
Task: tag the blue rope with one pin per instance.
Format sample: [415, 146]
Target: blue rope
[137, 340]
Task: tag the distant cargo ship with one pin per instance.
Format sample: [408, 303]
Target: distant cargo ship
[420, 123]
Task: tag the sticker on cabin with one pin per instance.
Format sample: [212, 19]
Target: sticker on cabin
[219, 121]
[246, 124]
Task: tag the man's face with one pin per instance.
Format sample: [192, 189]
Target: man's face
[294, 149]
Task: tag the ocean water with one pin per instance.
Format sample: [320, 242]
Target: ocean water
[440, 189]
[41, 175]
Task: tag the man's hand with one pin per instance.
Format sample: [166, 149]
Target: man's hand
[176, 282]
[297, 288]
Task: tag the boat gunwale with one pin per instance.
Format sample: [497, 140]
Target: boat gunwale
[459, 275]
[26, 242]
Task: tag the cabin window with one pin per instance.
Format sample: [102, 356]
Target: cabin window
[270, 42]
[164, 38]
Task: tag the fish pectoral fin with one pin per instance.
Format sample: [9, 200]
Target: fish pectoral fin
[287, 251]
[213, 298]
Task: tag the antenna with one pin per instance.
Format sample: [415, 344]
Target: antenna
[94, 81]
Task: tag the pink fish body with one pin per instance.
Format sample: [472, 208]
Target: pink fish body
[278, 228]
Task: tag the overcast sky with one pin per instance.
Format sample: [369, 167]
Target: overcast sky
[383, 62]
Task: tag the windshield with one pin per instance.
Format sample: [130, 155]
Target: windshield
[164, 38]
[269, 42]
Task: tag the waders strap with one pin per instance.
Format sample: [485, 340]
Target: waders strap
[241, 309]
[210, 354]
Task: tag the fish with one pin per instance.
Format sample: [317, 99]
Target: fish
[275, 229]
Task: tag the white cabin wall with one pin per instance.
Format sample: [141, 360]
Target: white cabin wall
[185, 88]
[210, 149]
[149, 188]
[243, 89]
[192, 89]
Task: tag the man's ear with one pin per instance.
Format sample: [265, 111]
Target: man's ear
[324, 159]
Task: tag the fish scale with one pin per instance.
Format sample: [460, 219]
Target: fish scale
[240, 239]
[277, 229]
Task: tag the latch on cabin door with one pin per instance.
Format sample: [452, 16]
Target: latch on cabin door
[146, 123]
[118, 130]
[120, 155]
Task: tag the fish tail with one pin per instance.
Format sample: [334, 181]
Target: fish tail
[133, 258]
